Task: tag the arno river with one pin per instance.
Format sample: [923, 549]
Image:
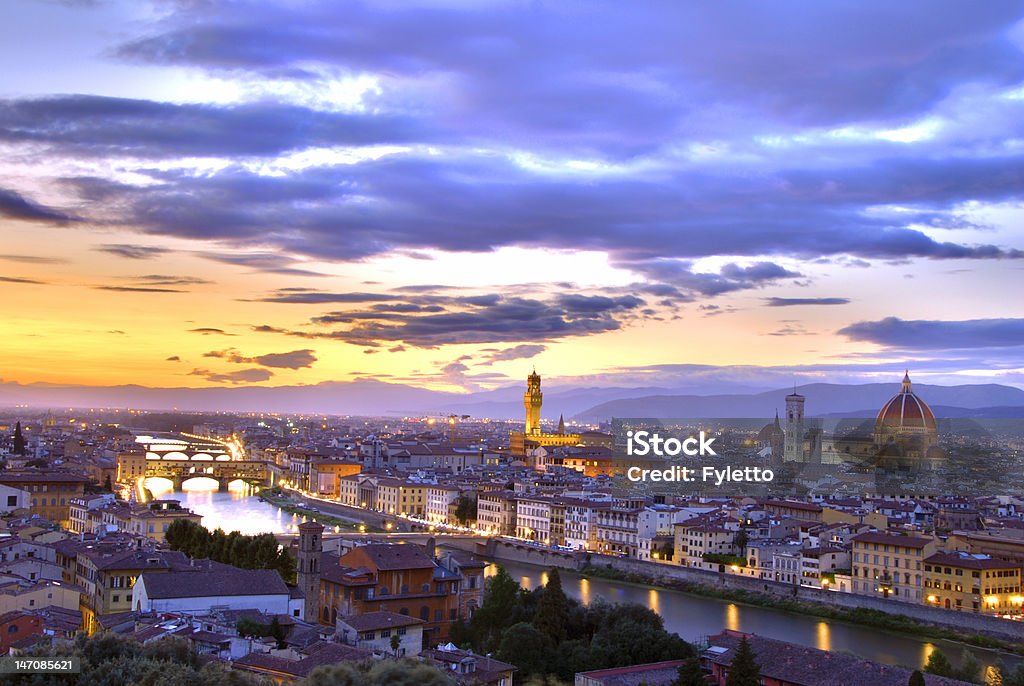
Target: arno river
[692, 617]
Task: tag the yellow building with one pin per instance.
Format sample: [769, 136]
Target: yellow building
[16, 595]
[131, 466]
[972, 583]
[891, 565]
[50, 492]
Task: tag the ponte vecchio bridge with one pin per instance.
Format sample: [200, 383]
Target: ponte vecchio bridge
[181, 457]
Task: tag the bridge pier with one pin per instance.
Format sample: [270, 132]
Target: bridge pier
[177, 481]
[222, 484]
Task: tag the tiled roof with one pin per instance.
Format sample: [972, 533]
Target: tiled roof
[802, 666]
[388, 556]
[326, 654]
[969, 561]
[238, 582]
[651, 674]
[893, 539]
[371, 621]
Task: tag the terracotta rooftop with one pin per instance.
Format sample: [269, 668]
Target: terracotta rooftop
[799, 665]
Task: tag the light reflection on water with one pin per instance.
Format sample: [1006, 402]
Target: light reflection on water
[695, 617]
[236, 510]
[692, 617]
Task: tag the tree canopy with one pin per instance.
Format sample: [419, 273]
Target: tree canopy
[261, 551]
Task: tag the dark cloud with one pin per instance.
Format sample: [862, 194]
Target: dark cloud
[794, 302]
[133, 252]
[138, 289]
[170, 280]
[628, 77]
[18, 279]
[98, 126]
[938, 335]
[487, 318]
[296, 359]
[33, 259]
[518, 352]
[13, 205]
[240, 376]
[209, 331]
[654, 225]
[317, 297]
[173, 358]
[271, 263]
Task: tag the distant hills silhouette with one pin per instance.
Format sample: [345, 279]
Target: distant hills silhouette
[370, 397]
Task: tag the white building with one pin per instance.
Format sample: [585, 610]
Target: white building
[197, 592]
[12, 499]
[376, 630]
[438, 499]
[533, 519]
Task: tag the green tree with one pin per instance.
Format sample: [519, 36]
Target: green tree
[396, 643]
[744, 670]
[690, 673]
[916, 679]
[496, 610]
[938, 664]
[19, 440]
[553, 609]
[405, 672]
[741, 540]
[465, 510]
[527, 648]
[969, 669]
[1014, 677]
[277, 632]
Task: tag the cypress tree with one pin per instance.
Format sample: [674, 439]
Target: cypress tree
[916, 679]
[744, 670]
[939, 664]
[19, 440]
[690, 673]
[553, 609]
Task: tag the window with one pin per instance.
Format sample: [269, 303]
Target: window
[12, 501]
[401, 631]
[425, 613]
[385, 633]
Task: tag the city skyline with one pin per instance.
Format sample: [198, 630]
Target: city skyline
[443, 195]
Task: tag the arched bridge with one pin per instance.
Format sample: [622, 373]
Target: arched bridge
[224, 472]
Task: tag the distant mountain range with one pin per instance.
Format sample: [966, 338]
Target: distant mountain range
[821, 400]
[592, 404]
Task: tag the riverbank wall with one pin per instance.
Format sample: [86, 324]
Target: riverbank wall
[674, 576]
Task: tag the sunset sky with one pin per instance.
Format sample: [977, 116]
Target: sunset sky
[218, 192]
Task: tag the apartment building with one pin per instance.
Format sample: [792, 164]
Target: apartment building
[972, 583]
[496, 512]
[890, 565]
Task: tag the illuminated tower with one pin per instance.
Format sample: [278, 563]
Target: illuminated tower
[794, 446]
[532, 401]
[308, 567]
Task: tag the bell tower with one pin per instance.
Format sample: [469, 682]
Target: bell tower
[794, 441]
[311, 545]
[532, 401]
